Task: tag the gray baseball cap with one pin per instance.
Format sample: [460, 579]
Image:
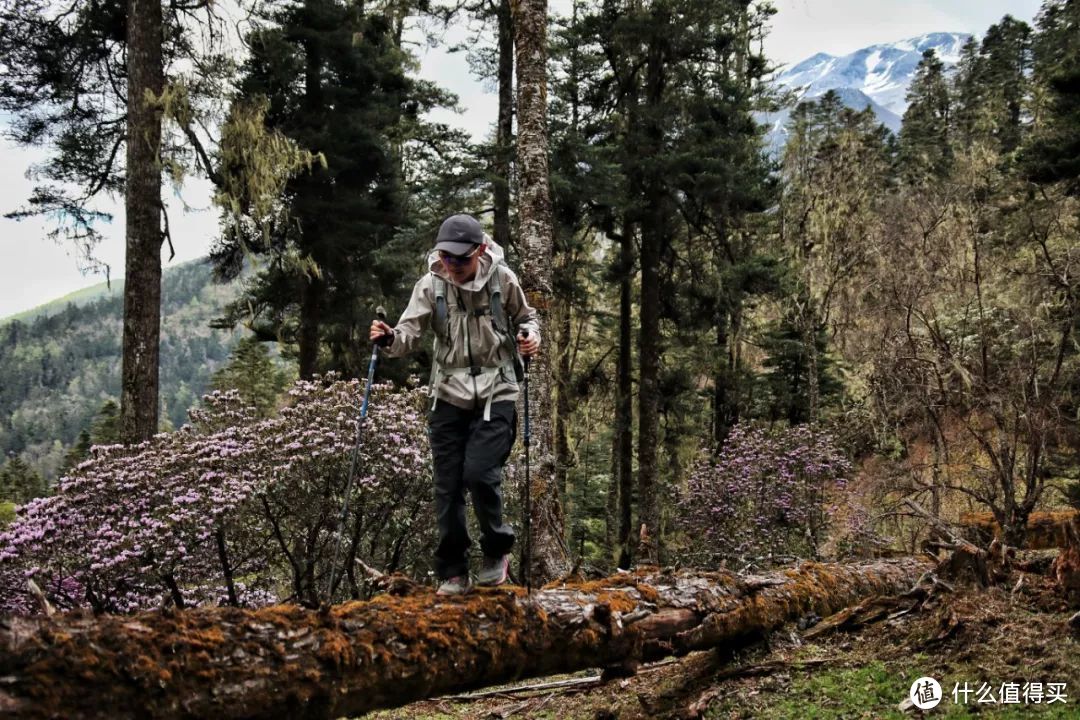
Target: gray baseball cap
[459, 235]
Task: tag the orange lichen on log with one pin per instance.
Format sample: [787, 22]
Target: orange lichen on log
[291, 662]
[637, 581]
[1045, 530]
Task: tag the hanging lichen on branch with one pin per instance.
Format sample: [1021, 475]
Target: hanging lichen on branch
[256, 163]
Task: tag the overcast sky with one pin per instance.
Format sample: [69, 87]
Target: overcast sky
[34, 269]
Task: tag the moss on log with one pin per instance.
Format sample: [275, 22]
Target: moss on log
[290, 662]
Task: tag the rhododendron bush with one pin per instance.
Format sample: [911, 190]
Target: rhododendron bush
[231, 509]
[764, 497]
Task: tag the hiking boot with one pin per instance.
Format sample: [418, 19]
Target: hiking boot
[456, 585]
[494, 571]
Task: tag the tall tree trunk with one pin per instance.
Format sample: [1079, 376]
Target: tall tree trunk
[734, 362]
[624, 412]
[572, 493]
[562, 387]
[629, 97]
[722, 385]
[569, 215]
[653, 233]
[504, 130]
[725, 382]
[536, 236]
[809, 330]
[611, 506]
[649, 396]
[142, 205]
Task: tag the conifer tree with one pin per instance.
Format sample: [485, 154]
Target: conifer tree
[836, 170]
[104, 430]
[786, 381]
[925, 146]
[19, 483]
[86, 79]
[336, 84]
[536, 237]
[1004, 71]
[967, 94]
[499, 68]
[1054, 153]
[253, 374]
[583, 178]
[678, 83]
[76, 453]
[504, 128]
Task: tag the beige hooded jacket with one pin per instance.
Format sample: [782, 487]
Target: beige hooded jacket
[475, 343]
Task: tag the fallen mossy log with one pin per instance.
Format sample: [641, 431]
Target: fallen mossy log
[1045, 530]
[286, 661]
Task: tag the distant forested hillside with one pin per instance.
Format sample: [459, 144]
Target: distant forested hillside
[58, 369]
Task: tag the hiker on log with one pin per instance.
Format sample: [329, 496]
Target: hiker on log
[481, 320]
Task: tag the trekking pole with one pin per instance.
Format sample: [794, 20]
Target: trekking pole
[380, 312]
[526, 564]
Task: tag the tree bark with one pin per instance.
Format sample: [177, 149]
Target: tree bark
[624, 429]
[563, 460]
[653, 238]
[611, 503]
[504, 129]
[537, 239]
[143, 236]
[725, 384]
[285, 661]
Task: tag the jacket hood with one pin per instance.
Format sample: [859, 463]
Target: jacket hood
[491, 257]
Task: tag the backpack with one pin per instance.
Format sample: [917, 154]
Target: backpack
[500, 320]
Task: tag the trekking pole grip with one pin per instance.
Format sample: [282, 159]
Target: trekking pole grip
[527, 359]
[380, 312]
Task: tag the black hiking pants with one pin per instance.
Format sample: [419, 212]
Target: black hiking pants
[469, 454]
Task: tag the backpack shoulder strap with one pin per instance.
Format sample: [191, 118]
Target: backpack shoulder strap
[494, 290]
[440, 322]
[503, 324]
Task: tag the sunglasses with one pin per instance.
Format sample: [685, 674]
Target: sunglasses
[457, 259]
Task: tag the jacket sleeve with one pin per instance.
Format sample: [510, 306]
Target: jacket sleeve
[412, 324]
[525, 316]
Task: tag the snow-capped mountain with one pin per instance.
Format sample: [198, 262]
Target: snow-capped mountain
[878, 76]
